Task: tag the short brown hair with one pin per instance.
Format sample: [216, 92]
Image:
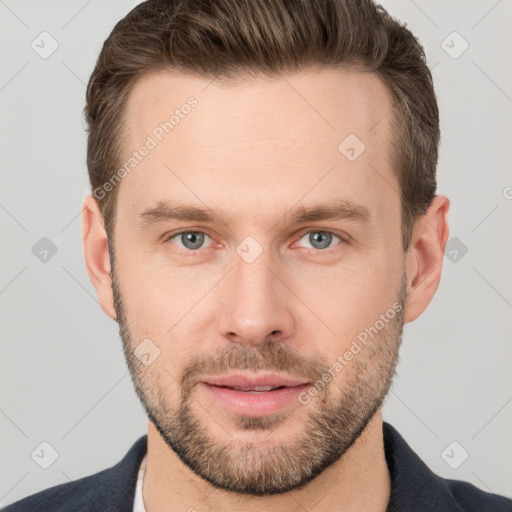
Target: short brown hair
[234, 38]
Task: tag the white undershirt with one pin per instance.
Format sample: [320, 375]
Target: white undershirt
[138, 504]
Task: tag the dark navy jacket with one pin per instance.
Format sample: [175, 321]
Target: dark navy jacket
[414, 487]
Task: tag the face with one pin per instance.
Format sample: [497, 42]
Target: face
[258, 274]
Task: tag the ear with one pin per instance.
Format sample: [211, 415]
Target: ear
[425, 257]
[97, 257]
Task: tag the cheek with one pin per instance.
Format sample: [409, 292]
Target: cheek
[155, 296]
[347, 298]
[167, 306]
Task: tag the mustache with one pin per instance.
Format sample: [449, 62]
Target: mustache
[269, 356]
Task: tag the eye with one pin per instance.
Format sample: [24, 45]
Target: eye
[190, 240]
[320, 239]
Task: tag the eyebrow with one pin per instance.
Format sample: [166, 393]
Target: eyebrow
[337, 210]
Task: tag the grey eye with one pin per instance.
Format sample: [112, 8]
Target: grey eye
[320, 239]
[191, 240]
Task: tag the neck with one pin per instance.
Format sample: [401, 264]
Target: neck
[358, 481]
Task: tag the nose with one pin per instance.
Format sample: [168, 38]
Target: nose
[257, 304]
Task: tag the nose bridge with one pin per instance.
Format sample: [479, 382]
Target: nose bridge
[255, 305]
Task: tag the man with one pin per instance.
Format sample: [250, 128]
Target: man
[262, 223]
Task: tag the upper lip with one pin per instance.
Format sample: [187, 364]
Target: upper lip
[252, 381]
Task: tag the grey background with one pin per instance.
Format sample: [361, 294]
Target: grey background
[63, 376]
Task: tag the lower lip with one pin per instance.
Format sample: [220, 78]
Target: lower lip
[259, 403]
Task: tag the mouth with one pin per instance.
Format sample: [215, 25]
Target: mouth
[256, 389]
[254, 396]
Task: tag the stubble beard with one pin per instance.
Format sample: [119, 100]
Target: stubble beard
[336, 418]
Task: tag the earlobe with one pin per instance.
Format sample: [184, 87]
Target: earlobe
[425, 257]
[96, 252]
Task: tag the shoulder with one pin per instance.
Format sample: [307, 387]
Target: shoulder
[63, 497]
[109, 490]
[414, 487]
[471, 498]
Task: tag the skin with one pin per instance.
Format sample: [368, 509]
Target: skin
[251, 151]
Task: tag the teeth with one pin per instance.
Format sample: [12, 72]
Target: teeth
[257, 388]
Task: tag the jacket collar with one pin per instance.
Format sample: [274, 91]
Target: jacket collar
[413, 485]
[115, 491]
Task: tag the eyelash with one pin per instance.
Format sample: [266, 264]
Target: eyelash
[342, 239]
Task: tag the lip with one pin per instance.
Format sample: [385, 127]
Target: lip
[254, 403]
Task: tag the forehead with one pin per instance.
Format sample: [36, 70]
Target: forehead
[262, 141]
